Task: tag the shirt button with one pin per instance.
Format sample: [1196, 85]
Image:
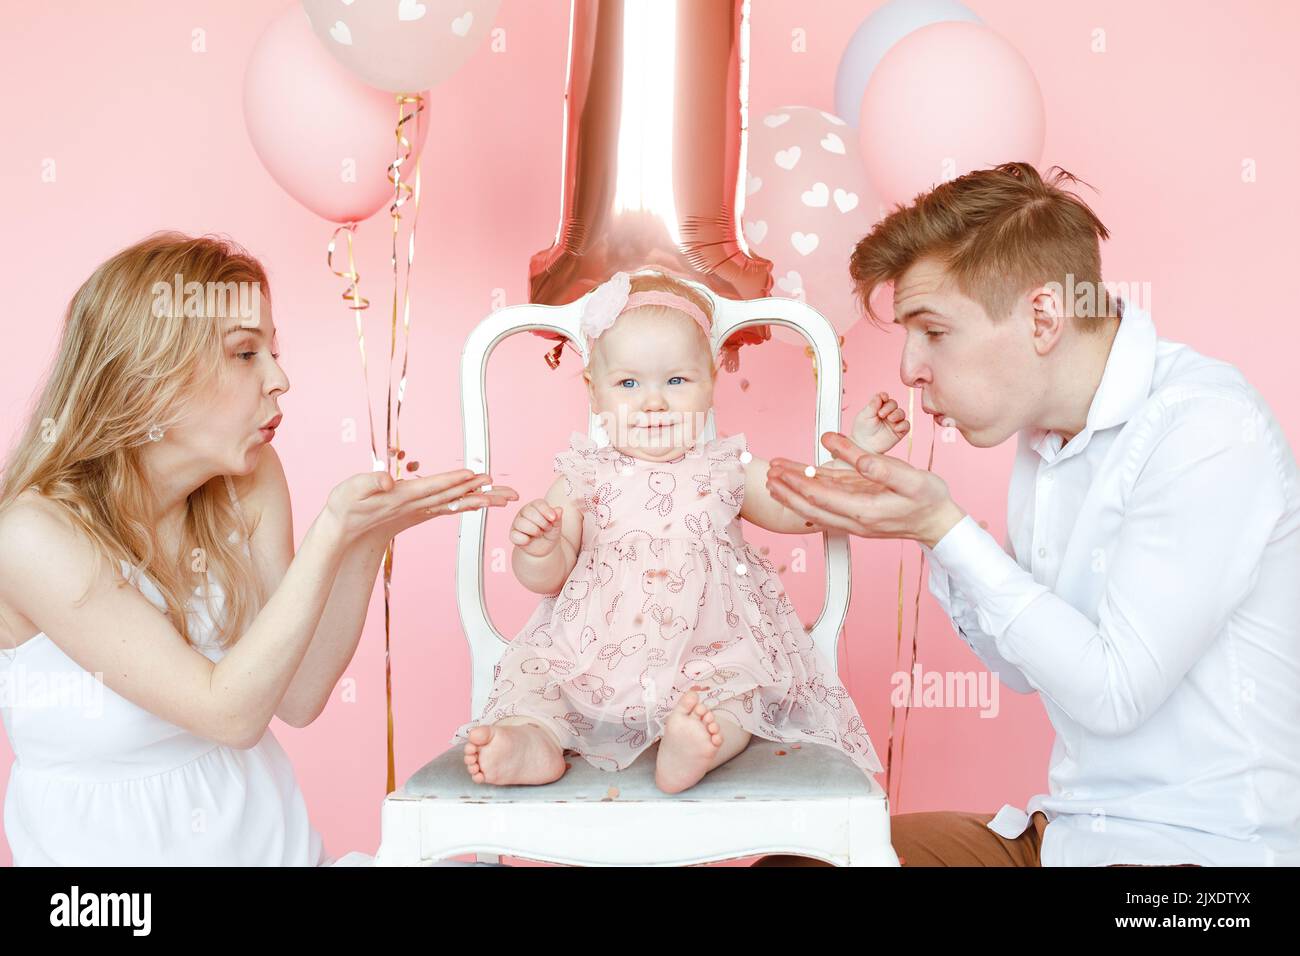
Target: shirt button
[1049, 476]
[1042, 552]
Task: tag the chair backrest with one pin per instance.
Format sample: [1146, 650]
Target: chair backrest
[486, 643]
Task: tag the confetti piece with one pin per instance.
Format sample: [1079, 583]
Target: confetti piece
[612, 793]
[741, 569]
[746, 457]
[795, 746]
[412, 466]
[744, 385]
[780, 753]
[401, 454]
[810, 471]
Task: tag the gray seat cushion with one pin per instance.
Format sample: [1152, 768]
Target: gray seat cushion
[765, 770]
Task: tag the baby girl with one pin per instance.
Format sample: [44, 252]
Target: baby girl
[660, 623]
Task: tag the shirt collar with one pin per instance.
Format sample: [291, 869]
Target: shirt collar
[1125, 384]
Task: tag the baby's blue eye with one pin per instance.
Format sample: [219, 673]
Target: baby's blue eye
[675, 379]
[626, 380]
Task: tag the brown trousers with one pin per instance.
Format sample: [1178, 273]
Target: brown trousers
[950, 838]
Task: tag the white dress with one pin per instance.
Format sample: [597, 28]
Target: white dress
[97, 780]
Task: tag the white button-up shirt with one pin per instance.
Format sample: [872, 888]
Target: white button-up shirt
[1150, 593]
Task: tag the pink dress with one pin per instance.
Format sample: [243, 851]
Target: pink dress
[667, 596]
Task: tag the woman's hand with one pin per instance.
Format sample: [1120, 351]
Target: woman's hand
[373, 504]
[536, 529]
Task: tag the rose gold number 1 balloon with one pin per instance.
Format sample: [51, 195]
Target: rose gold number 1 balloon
[654, 167]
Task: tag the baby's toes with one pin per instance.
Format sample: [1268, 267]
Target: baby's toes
[710, 724]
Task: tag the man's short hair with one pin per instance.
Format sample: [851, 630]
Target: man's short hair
[999, 232]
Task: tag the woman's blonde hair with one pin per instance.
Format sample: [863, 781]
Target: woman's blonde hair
[121, 369]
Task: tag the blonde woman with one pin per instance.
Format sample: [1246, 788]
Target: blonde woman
[142, 737]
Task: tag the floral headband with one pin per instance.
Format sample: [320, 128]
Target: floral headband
[611, 299]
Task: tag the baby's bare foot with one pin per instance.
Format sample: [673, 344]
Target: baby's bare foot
[689, 745]
[513, 753]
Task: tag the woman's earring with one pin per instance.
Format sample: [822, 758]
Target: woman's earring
[156, 433]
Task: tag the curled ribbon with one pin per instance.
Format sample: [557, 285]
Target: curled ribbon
[358, 303]
[402, 191]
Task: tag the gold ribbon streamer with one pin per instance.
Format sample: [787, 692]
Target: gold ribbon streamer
[916, 621]
[402, 191]
[359, 303]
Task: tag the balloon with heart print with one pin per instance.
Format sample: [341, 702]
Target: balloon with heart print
[403, 46]
[322, 134]
[807, 204]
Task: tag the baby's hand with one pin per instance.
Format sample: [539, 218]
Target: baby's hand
[536, 529]
[881, 425]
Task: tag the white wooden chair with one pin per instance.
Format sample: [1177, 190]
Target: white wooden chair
[811, 801]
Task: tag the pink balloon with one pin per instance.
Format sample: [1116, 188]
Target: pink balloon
[401, 45]
[324, 136]
[947, 99]
[807, 203]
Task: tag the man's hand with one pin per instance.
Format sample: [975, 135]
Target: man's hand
[880, 497]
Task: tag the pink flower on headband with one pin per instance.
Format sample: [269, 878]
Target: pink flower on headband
[605, 304]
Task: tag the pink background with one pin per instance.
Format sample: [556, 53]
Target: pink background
[146, 134]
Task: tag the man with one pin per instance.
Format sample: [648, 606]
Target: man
[1149, 590]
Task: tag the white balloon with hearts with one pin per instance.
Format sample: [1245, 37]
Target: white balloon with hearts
[403, 46]
[807, 204]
